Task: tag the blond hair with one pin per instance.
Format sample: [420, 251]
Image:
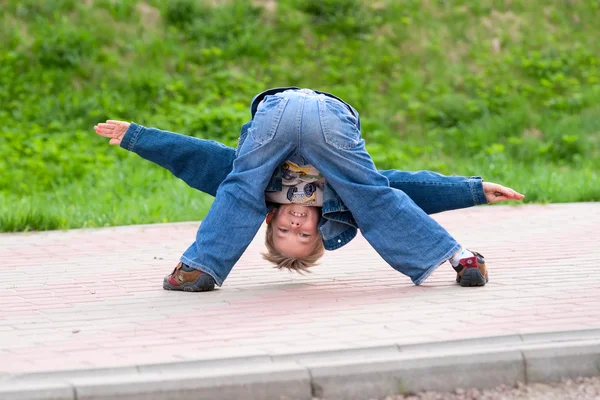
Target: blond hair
[297, 264]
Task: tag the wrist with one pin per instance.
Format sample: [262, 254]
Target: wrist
[134, 131]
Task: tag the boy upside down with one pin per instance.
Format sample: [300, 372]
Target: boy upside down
[301, 161]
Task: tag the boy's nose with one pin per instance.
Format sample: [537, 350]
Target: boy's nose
[295, 223]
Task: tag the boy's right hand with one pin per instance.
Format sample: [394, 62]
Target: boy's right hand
[495, 193]
[115, 130]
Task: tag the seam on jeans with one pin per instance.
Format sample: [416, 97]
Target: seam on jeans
[299, 121]
[445, 258]
[136, 135]
[202, 268]
[277, 119]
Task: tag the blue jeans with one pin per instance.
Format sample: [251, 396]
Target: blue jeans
[325, 133]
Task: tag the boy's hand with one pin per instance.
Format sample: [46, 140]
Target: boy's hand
[495, 193]
[115, 130]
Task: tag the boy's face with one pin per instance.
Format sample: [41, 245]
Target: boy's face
[295, 229]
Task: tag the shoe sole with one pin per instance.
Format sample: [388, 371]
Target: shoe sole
[204, 283]
[472, 277]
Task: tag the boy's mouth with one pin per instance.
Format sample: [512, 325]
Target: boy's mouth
[297, 214]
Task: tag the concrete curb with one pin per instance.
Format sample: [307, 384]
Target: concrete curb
[359, 373]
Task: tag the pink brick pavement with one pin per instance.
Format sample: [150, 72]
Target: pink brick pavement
[93, 298]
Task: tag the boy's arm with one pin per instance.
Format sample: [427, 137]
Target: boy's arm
[202, 164]
[434, 192]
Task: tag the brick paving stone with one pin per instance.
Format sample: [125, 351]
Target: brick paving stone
[93, 297]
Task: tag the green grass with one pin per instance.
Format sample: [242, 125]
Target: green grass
[509, 90]
[129, 192]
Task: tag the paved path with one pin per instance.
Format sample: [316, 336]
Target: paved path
[93, 298]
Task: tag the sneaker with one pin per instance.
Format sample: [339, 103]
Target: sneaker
[471, 271]
[188, 279]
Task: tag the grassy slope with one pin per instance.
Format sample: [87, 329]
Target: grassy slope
[509, 90]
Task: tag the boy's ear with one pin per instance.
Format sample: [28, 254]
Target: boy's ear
[271, 214]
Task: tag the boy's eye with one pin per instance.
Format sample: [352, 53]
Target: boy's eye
[282, 230]
[304, 235]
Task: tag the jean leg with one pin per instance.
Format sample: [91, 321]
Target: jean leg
[402, 233]
[239, 208]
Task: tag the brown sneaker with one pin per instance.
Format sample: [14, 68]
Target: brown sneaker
[472, 271]
[188, 279]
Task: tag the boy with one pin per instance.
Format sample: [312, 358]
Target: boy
[293, 240]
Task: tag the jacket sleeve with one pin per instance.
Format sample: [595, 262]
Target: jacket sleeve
[201, 164]
[434, 192]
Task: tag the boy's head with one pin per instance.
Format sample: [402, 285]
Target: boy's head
[293, 240]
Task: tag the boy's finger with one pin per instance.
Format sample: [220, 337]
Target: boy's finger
[501, 190]
[510, 193]
[113, 121]
[107, 126]
[516, 195]
[103, 132]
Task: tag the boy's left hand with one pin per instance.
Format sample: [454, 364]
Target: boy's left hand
[495, 193]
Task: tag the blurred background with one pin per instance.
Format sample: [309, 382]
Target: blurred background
[506, 89]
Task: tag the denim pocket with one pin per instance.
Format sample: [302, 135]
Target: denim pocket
[267, 117]
[340, 127]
